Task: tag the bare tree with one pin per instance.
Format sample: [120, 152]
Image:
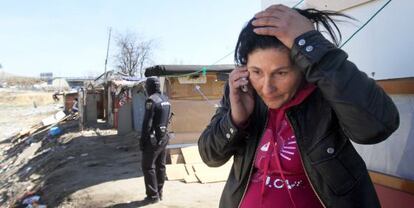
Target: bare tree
[133, 54]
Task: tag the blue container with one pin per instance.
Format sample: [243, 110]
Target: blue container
[55, 131]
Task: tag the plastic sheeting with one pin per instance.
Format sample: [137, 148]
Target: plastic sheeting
[394, 156]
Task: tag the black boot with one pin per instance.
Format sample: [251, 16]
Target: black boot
[151, 200]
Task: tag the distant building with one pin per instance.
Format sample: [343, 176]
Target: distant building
[77, 82]
[47, 77]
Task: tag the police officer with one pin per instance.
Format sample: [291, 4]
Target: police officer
[154, 140]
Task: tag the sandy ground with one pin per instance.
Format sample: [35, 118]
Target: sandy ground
[92, 168]
[22, 109]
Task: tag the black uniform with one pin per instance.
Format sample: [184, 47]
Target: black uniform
[154, 139]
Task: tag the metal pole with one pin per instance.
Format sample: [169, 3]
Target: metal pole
[105, 100]
[107, 49]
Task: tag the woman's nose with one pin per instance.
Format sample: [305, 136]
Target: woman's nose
[268, 87]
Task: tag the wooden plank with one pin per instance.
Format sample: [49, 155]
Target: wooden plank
[391, 198]
[207, 174]
[191, 177]
[181, 138]
[191, 155]
[392, 182]
[178, 146]
[174, 151]
[191, 115]
[177, 159]
[176, 172]
[213, 88]
[398, 86]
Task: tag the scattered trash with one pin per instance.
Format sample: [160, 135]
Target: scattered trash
[123, 148]
[31, 200]
[54, 131]
[4, 169]
[29, 140]
[3, 197]
[54, 118]
[70, 158]
[36, 206]
[29, 188]
[93, 164]
[42, 152]
[34, 177]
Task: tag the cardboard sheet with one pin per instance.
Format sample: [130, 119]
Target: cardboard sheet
[193, 169]
[176, 172]
[207, 174]
[177, 159]
[191, 155]
[191, 177]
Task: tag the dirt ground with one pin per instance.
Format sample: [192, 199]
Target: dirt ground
[92, 168]
[22, 109]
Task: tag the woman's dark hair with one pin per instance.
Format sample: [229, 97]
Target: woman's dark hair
[249, 41]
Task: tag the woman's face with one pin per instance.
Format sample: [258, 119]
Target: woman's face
[273, 76]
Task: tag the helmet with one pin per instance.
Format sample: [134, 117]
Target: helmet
[152, 85]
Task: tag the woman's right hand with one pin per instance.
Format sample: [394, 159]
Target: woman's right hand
[241, 103]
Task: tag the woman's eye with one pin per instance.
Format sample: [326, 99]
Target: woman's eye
[282, 73]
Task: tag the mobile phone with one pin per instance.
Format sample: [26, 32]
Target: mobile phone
[244, 87]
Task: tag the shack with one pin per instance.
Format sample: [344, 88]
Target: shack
[68, 100]
[115, 99]
[195, 92]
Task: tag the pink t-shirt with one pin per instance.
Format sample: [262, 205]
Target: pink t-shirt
[278, 178]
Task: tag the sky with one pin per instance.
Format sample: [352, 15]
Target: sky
[69, 38]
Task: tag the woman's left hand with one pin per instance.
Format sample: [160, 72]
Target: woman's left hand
[284, 23]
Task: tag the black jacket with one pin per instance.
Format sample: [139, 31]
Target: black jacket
[156, 119]
[347, 105]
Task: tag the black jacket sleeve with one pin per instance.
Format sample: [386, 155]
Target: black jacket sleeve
[221, 138]
[147, 122]
[366, 113]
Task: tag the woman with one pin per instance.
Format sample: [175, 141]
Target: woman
[288, 115]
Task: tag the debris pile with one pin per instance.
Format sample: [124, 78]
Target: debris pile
[16, 168]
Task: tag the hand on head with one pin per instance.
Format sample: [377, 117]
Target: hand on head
[284, 23]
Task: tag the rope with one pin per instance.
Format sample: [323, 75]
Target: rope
[203, 69]
[298, 3]
[369, 20]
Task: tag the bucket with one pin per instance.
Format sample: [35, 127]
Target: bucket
[55, 131]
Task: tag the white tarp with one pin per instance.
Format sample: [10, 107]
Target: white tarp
[53, 118]
[60, 84]
[394, 156]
